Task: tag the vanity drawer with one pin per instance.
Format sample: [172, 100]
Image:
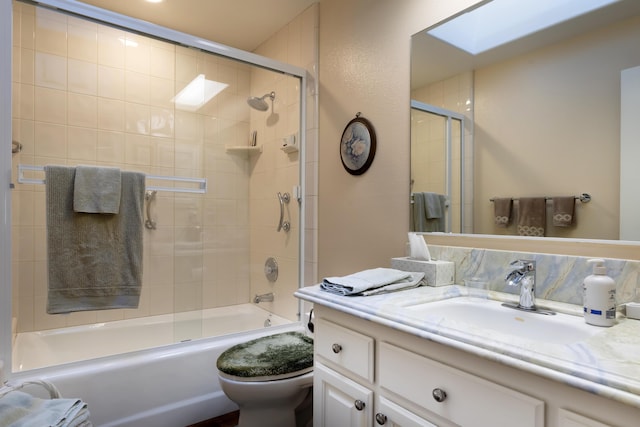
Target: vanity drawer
[453, 394]
[344, 347]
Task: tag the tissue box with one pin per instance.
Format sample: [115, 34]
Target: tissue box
[436, 273]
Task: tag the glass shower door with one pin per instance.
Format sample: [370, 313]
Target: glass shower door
[437, 156]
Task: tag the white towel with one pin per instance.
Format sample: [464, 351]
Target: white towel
[20, 409]
[96, 190]
[371, 282]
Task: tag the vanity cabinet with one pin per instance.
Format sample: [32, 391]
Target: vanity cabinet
[368, 374]
[345, 387]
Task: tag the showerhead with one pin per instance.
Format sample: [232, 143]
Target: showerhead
[259, 103]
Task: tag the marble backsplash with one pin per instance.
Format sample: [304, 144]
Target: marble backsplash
[558, 277]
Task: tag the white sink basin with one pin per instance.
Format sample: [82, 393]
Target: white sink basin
[489, 314]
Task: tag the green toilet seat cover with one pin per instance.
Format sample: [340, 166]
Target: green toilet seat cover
[276, 356]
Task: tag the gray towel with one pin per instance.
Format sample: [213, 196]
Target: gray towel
[97, 190]
[95, 261]
[418, 217]
[429, 211]
[372, 282]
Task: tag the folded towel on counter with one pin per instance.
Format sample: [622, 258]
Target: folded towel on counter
[94, 261]
[563, 211]
[372, 282]
[18, 409]
[502, 211]
[96, 190]
[532, 215]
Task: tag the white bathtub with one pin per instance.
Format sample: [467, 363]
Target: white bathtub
[171, 385]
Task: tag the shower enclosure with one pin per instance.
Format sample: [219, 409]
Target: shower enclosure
[438, 163]
[94, 88]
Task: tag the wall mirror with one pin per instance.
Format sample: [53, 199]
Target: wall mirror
[543, 118]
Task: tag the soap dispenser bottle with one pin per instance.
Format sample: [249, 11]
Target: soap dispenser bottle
[599, 293]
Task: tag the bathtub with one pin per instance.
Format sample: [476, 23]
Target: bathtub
[158, 382]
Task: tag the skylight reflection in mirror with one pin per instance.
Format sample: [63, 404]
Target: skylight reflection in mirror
[479, 30]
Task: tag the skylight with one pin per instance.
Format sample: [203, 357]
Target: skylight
[197, 93]
[501, 21]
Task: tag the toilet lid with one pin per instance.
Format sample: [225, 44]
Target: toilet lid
[278, 356]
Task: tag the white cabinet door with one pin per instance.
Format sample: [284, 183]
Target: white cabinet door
[570, 419]
[339, 401]
[389, 414]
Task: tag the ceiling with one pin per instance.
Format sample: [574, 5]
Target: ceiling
[243, 24]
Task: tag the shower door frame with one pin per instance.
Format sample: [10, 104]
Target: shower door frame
[449, 116]
[112, 19]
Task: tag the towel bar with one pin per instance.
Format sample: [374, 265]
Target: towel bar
[202, 182]
[584, 198]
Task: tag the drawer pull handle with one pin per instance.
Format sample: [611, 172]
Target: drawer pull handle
[381, 418]
[337, 348]
[359, 404]
[439, 394]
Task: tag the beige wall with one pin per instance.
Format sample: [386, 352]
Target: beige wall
[364, 67]
[565, 147]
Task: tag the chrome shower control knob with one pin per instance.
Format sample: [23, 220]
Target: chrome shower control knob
[337, 348]
[359, 404]
[439, 394]
[381, 418]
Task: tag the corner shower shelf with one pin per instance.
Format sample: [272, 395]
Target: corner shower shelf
[243, 149]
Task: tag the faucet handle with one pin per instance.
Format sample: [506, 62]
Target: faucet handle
[524, 264]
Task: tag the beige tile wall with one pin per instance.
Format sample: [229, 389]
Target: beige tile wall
[90, 94]
[275, 171]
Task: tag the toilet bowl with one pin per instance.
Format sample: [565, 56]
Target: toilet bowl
[268, 378]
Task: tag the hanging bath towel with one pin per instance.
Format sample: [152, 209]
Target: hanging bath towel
[532, 216]
[563, 211]
[429, 211]
[95, 260]
[502, 211]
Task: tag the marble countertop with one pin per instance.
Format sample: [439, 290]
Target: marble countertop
[607, 363]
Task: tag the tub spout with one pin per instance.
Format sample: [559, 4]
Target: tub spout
[268, 297]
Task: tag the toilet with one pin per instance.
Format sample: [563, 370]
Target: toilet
[269, 378]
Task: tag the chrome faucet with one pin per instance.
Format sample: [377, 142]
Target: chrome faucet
[268, 297]
[524, 275]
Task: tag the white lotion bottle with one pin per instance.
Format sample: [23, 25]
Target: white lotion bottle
[599, 293]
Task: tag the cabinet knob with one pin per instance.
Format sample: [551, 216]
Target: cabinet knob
[359, 404]
[337, 348]
[381, 418]
[439, 394]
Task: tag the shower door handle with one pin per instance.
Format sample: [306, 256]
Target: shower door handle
[282, 224]
[149, 196]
